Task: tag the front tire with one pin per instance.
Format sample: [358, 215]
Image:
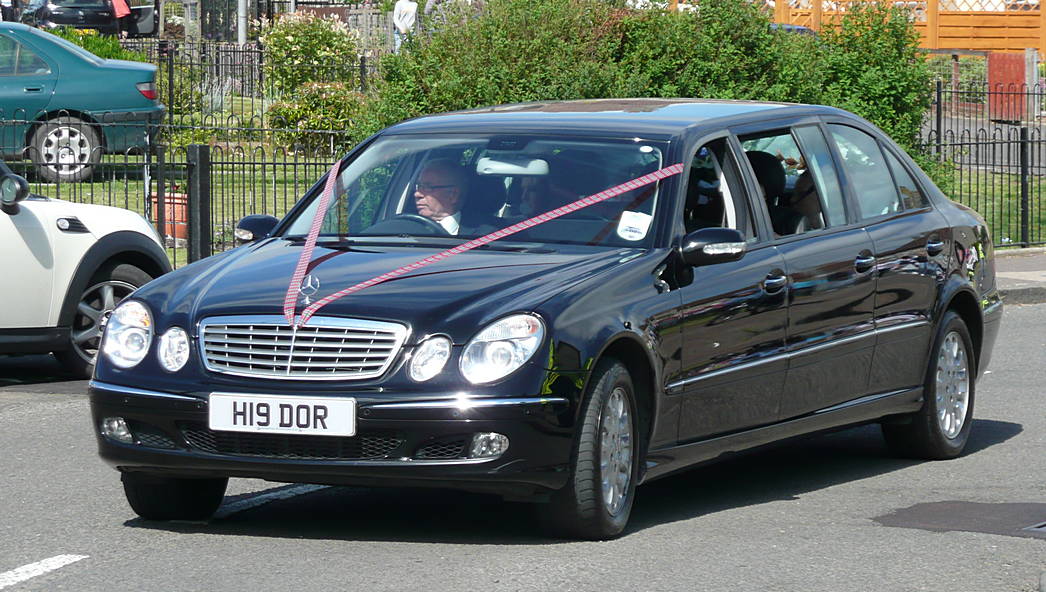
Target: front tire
[169, 498]
[106, 289]
[65, 150]
[941, 428]
[597, 500]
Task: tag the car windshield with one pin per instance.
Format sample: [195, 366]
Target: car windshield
[410, 186]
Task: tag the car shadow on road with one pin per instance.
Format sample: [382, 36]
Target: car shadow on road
[780, 472]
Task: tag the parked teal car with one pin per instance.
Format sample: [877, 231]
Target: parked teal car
[63, 107]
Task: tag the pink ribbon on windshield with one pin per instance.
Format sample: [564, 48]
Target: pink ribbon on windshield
[290, 300]
[584, 202]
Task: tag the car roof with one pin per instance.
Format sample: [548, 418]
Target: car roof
[649, 118]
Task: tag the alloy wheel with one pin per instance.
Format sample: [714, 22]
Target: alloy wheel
[96, 301]
[615, 461]
[953, 385]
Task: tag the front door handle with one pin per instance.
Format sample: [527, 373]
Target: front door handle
[33, 89]
[774, 283]
[863, 263]
[934, 248]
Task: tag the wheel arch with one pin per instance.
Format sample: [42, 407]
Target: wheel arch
[124, 246]
[630, 351]
[51, 115]
[961, 299]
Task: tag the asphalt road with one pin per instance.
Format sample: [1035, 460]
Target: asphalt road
[832, 512]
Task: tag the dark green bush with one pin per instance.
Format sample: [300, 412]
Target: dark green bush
[874, 67]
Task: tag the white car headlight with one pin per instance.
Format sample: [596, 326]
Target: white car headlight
[501, 348]
[173, 350]
[128, 333]
[429, 358]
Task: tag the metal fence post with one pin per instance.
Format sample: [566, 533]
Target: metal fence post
[1025, 174]
[199, 157]
[938, 96]
[161, 192]
[363, 72]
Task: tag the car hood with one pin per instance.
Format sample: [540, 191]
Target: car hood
[453, 296]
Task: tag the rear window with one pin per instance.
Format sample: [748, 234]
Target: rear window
[67, 45]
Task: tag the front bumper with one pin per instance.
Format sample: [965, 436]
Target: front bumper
[391, 447]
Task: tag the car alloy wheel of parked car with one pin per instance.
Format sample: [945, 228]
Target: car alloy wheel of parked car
[65, 150]
[107, 289]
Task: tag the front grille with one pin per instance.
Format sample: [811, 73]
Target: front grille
[369, 445]
[451, 449]
[327, 348]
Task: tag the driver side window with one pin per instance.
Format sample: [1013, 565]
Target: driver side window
[714, 194]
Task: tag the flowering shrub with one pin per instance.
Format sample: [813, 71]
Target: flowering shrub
[302, 47]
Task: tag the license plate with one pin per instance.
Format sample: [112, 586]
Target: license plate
[282, 414]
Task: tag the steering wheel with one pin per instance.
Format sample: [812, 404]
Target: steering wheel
[428, 223]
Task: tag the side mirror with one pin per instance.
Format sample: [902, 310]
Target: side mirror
[13, 189]
[707, 246]
[254, 227]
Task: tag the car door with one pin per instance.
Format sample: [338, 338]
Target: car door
[830, 266]
[27, 261]
[734, 314]
[909, 240]
[27, 80]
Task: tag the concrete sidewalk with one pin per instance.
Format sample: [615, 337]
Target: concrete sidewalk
[1021, 274]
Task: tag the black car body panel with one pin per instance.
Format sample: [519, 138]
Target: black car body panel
[724, 357]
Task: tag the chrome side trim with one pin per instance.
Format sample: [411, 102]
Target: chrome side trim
[468, 403]
[902, 326]
[828, 344]
[774, 358]
[862, 401]
[137, 392]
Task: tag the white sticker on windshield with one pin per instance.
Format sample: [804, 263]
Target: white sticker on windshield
[633, 225]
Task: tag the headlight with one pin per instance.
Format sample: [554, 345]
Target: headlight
[501, 348]
[128, 334]
[429, 358]
[174, 349]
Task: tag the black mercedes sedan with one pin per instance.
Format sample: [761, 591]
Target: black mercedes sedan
[558, 302]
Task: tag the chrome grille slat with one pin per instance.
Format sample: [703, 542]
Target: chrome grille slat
[319, 354]
[329, 348]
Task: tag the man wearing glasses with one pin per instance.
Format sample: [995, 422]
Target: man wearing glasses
[439, 194]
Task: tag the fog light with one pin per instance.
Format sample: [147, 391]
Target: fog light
[488, 445]
[116, 428]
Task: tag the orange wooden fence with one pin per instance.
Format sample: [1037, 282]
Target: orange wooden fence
[986, 25]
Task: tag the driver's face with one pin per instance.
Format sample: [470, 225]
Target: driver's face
[436, 194]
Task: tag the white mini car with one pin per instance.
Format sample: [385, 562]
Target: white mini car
[63, 266]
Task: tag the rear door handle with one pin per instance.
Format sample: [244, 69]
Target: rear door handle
[934, 247]
[33, 88]
[774, 283]
[863, 263]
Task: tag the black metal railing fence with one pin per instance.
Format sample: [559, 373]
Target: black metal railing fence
[991, 137]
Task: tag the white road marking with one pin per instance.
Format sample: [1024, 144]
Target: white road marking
[21, 574]
[264, 498]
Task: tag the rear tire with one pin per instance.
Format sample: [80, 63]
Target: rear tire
[65, 150]
[941, 428]
[597, 500]
[168, 498]
[107, 288]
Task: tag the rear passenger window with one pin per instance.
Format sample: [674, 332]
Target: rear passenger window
[799, 187]
[30, 63]
[869, 175]
[911, 197]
